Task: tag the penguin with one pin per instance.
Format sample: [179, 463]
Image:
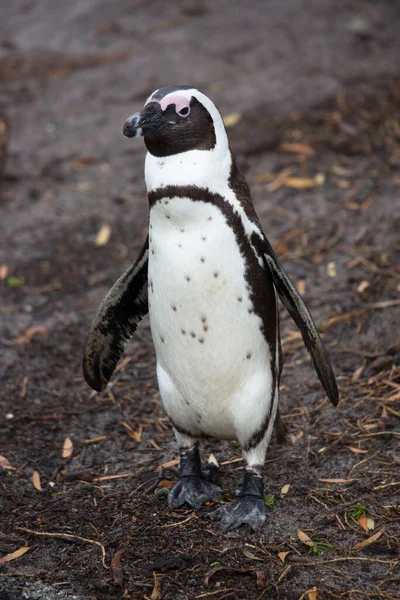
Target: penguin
[209, 279]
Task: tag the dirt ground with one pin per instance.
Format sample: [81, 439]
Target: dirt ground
[311, 92]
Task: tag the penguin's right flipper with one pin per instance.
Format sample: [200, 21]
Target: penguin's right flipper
[116, 321]
[300, 314]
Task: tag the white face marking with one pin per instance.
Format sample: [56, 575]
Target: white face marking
[204, 360]
[203, 168]
[198, 166]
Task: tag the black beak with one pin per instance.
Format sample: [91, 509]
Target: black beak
[132, 126]
[149, 122]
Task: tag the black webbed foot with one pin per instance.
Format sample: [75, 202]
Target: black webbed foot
[191, 487]
[249, 509]
[246, 510]
[192, 490]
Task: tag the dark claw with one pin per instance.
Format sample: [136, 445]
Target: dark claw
[192, 490]
[246, 510]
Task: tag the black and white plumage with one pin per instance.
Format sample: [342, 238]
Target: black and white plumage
[208, 277]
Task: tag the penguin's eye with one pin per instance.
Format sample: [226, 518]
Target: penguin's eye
[184, 111]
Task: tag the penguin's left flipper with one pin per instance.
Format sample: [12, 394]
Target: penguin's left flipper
[116, 321]
[300, 314]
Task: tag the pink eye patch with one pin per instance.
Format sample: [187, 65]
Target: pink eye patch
[179, 101]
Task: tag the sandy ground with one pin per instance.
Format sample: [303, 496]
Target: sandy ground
[314, 88]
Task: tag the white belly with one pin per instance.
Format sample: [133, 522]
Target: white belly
[213, 363]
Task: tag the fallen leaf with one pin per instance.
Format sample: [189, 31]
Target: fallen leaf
[4, 464]
[313, 594]
[357, 450]
[15, 554]
[368, 542]
[116, 567]
[15, 282]
[366, 523]
[357, 373]
[232, 119]
[285, 490]
[103, 236]
[301, 286]
[83, 161]
[362, 286]
[370, 523]
[300, 183]
[331, 269]
[83, 186]
[68, 448]
[303, 537]
[246, 552]
[26, 337]
[3, 272]
[156, 593]
[282, 556]
[59, 73]
[212, 460]
[167, 465]
[167, 484]
[384, 414]
[36, 481]
[295, 437]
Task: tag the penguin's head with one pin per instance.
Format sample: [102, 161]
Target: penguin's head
[177, 119]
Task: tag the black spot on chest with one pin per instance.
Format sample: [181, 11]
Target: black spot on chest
[258, 279]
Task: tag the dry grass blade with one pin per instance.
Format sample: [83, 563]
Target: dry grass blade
[357, 312]
[337, 480]
[26, 336]
[192, 516]
[156, 593]
[111, 477]
[300, 183]
[168, 465]
[297, 148]
[311, 594]
[135, 435]
[69, 536]
[345, 559]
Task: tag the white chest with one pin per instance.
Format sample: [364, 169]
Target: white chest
[209, 346]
